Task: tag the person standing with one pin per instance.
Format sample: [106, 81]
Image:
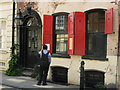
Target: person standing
[45, 60]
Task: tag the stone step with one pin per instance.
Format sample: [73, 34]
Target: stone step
[27, 72]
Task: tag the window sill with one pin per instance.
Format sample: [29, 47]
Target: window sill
[95, 58]
[60, 55]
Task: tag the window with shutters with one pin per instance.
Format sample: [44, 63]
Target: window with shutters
[95, 38]
[60, 33]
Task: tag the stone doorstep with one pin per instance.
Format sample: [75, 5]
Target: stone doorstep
[27, 72]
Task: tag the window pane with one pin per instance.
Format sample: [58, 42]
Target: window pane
[58, 36]
[36, 42]
[60, 22]
[100, 44]
[62, 39]
[90, 16]
[61, 46]
[62, 35]
[32, 34]
[95, 27]
[32, 22]
[29, 34]
[95, 16]
[90, 44]
[101, 20]
[36, 33]
[101, 27]
[90, 27]
[66, 37]
[57, 45]
[101, 15]
[66, 24]
[29, 43]
[61, 43]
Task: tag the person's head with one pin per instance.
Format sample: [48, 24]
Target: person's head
[45, 47]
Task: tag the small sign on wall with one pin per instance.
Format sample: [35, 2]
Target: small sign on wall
[48, 46]
[70, 43]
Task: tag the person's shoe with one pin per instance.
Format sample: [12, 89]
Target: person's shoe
[38, 84]
[44, 84]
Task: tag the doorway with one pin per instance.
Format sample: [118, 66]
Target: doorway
[30, 40]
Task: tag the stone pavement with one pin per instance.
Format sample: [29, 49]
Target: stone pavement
[23, 82]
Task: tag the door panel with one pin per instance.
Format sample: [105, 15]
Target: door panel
[32, 46]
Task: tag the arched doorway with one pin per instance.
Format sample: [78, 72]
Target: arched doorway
[30, 38]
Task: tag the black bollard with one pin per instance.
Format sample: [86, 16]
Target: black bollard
[82, 75]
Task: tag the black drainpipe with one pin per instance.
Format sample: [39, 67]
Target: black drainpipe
[13, 26]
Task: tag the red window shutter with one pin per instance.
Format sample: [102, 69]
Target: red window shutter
[76, 33]
[48, 24]
[109, 21]
[48, 31]
[79, 47]
[47, 40]
[71, 23]
[71, 33]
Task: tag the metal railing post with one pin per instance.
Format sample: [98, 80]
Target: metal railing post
[82, 75]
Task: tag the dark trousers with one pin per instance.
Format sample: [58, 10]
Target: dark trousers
[43, 72]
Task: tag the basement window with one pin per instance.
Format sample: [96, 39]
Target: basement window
[92, 78]
[60, 75]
